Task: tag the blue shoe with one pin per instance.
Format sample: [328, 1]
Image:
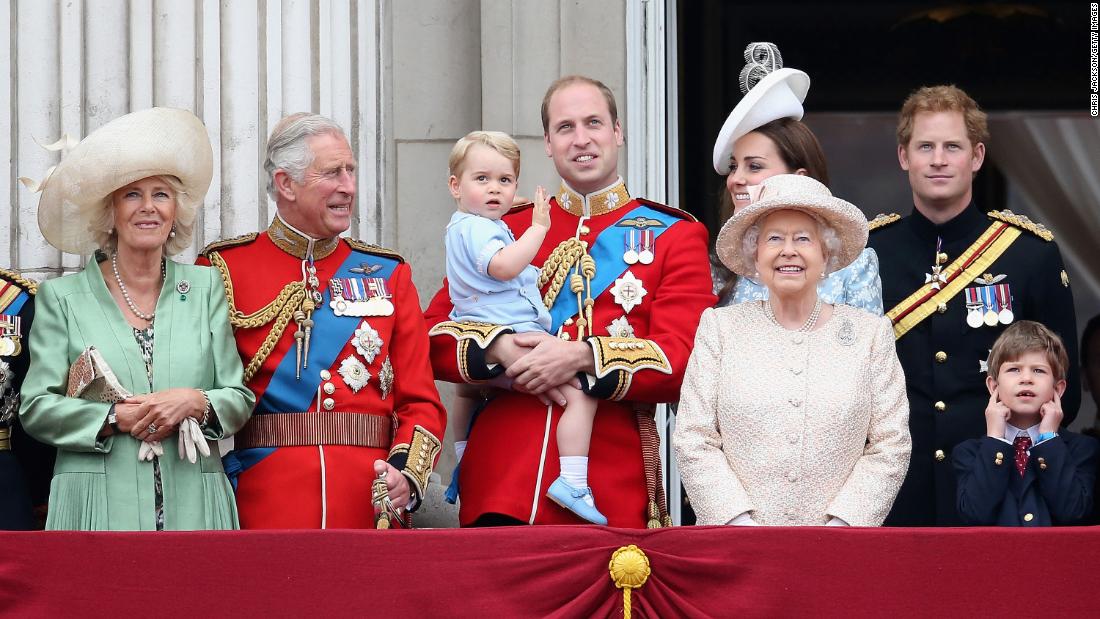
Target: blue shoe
[572, 499]
[450, 495]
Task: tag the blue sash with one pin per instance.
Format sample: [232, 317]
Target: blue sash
[607, 251]
[287, 394]
[17, 304]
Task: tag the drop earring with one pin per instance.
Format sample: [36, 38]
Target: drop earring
[172, 234]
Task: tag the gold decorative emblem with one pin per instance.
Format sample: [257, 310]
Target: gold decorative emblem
[422, 453]
[882, 220]
[628, 291]
[481, 332]
[1023, 222]
[385, 378]
[628, 354]
[354, 373]
[629, 568]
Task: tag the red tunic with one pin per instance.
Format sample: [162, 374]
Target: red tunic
[512, 458]
[327, 483]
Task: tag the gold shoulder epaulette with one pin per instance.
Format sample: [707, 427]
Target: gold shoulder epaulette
[664, 208]
[882, 220]
[1022, 222]
[243, 239]
[358, 245]
[29, 285]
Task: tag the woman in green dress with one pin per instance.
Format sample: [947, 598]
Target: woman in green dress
[130, 192]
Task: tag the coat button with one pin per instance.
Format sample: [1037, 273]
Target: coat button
[792, 476]
[941, 308]
[795, 402]
[941, 357]
[584, 230]
[328, 404]
[940, 455]
[1029, 517]
[1042, 464]
[940, 406]
[325, 375]
[329, 388]
[797, 339]
[793, 438]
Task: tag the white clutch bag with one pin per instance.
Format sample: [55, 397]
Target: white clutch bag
[90, 378]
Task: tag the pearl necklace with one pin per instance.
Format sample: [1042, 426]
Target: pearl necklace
[806, 326]
[126, 293]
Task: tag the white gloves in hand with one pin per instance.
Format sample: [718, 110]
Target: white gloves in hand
[191, 441]
[149, 449]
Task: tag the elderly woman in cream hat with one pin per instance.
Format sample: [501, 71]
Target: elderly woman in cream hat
[764, 136]
[134, 355]
[793, 410]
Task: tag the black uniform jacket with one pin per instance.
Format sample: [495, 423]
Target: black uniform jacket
[944, 358]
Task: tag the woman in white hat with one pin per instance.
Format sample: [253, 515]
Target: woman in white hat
[793, 410]
[154, 333]
[764, 136]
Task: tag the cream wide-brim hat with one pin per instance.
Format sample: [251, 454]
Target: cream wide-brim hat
[800, 193]
[778, 95]
[155, 142]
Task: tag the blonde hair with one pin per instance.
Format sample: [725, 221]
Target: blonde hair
[499, 141]
[1026, 336]
[947, 98]
[101, 223]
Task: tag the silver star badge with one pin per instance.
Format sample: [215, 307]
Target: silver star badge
[983, 364]
[385, 378]
[620, 327]
[367, 342]
[354, 373]
[628, 291]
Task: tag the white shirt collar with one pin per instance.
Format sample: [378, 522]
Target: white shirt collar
[1011, 432]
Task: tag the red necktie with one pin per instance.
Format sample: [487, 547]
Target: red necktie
[1022, 444]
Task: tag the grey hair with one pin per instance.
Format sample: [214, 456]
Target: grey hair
[101, 223]
[287, 149]
[830, 242]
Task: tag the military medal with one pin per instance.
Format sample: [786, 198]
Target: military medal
[646, 255]
[988, 301]
[385, 378]
[378, 298]
[1004, 295]
[973, 307]
[354, 373]
[937, 278]
[620, 327]
[628, 291]
[367, 342]
[630, 256]
[10, 328]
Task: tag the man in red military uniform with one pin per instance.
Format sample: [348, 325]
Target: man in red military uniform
[335, 349]
[625, 281]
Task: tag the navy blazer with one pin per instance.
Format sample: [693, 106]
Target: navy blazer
[1056, 488]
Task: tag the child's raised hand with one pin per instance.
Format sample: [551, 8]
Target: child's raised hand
[1052, 415]
[996, 416]
[541, 216]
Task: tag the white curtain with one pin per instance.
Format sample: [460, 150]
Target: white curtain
[1050, 163]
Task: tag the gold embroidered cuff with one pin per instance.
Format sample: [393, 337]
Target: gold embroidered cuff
[629, 354]
[481, 332]
[420, 458]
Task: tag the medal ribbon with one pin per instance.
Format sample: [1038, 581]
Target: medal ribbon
[12, 298]
[972, 263]
[607, 252]
[285, 393]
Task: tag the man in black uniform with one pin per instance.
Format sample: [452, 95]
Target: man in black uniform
[952, 278]
[25, 464]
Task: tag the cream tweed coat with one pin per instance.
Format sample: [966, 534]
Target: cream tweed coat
[792, 427]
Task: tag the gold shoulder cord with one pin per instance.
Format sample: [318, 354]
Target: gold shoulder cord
[280, 310]
[27, 284]
[571, 253]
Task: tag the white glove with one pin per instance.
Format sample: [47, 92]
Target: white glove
[149, 449]
[191, 441]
